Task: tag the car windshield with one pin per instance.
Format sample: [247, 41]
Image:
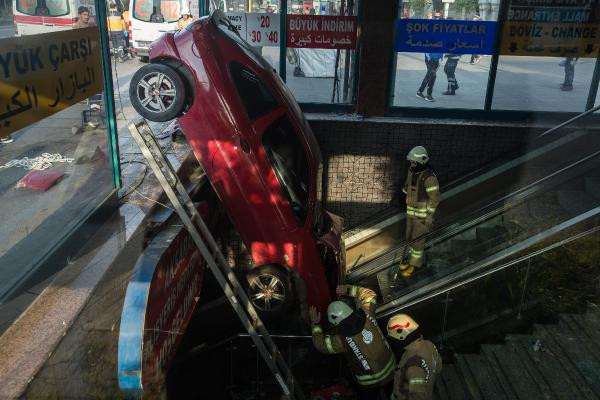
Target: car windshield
[288, 159]
[50, 8]
[157, 10]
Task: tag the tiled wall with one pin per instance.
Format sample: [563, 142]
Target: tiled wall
[365, 160]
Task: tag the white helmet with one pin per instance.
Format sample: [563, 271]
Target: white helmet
[338, 311]
[418, 154]
[400, 326]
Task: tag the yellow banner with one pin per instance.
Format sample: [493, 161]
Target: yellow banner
[550, 39]
[44, 74]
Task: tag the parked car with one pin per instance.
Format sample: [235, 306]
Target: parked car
[258, 151]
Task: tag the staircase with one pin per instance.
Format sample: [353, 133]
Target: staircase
[560, 361]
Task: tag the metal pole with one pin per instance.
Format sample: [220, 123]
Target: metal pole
[109, 94]
[494, 64]
[594, 86]
[282, 38]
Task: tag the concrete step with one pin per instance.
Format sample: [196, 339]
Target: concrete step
[592, 186]
[462, 248]
[492, 235]
[563, 380]
[470, 384]
[575, 201]
[452, 383]
[518, 375]
[569, 349]
[574, 324]
[492, 362]
[488, 384]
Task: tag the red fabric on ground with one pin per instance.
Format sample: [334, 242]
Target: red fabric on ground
[40, 180]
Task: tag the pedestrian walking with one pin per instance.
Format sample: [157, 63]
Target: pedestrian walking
[369, 355]
[569, 64]
[422, 198]
[419, 365]
[432, 62]
[450, 69]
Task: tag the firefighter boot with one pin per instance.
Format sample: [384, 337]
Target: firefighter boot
[405, 270]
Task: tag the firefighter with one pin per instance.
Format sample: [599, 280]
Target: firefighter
[419, 365]
[117, 29]
[422, 198]
[358, 336]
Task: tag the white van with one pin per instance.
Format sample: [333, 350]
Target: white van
[42, 16]
[148, 20]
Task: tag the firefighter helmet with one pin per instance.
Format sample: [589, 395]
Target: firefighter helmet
[400, 326]
[338, 311]
[418, 154]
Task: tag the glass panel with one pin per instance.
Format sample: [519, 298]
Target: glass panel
[58, 8]
[321, 75]
[170, 10]
[142, 9]
[255, 96]
[26, 6]
[287, 157]
[453, 79]
[54, 154]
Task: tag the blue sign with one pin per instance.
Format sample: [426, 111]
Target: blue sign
[445, 36]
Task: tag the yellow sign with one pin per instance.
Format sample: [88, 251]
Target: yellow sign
[43, 74]
[550, 39]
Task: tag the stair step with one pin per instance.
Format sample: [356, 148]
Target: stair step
[592, 186]
[491, 235]
[453, 383]
[487, 382]
[501, 378]
[519, 376]
[572, 350]
[575, 201]
[562, 380]
[462, 247]
[572, 322]
[439, 389]
[468, 378]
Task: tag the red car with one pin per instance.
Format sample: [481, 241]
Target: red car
[258, 151]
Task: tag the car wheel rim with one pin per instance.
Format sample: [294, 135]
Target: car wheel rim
[267, 292]
[156, 92]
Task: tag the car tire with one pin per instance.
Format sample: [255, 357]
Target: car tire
[157, 92]
[270, 290]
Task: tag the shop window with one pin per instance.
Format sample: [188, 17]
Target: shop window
[289, 162]
[254, 95]
[456, 75]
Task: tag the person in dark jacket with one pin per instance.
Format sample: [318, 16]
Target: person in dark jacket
[358, 337]
[432, 62]
[450, 69]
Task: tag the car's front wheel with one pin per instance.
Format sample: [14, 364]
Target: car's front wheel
[157, 92]
[270, 290]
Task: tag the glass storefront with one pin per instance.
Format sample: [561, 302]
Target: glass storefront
[56, 156]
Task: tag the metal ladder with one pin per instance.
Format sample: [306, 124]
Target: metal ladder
[164, 172]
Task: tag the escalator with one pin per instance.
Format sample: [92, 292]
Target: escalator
[547, 195]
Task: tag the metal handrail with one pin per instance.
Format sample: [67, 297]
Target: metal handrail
[568, 122]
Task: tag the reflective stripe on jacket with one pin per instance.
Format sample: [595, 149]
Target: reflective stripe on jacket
[422, 193]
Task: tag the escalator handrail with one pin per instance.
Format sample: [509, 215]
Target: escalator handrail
[472, 219]
[478, 270]
[570, 121]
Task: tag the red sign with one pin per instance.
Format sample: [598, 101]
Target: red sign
[321, 32]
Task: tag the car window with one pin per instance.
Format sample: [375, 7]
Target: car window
[289, 162]
[26, 6]
[254, 95]
[57, 8]
[157, 10]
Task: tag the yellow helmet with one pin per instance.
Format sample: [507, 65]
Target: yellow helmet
[400, 326]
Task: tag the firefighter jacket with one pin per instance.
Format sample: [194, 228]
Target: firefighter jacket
[367, 351]
[416, 371]
[422, 192]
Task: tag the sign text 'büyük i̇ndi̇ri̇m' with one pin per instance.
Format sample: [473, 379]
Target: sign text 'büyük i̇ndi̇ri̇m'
[445, 36]
[44, 74]
[322, 32]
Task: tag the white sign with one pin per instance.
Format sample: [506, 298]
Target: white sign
[238, 20]
[262, 29]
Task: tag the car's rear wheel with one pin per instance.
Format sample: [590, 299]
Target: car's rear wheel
[157, 92]
[270, 290]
